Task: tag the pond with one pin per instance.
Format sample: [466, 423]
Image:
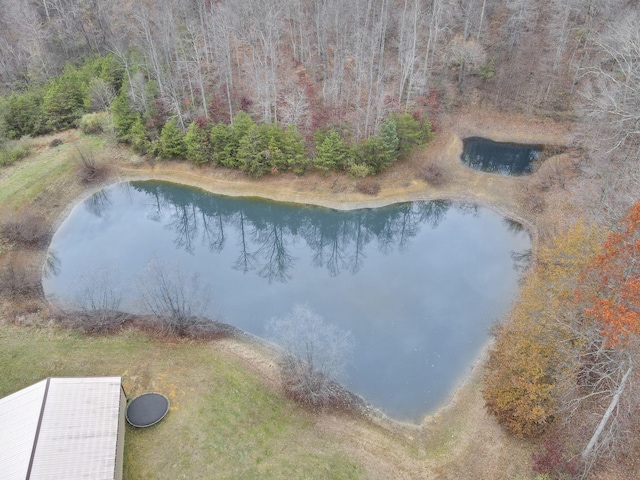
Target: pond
[503, 158]
[417, 285]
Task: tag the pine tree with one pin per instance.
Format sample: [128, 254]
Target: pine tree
[390, 140]
[219, 137]
[242, 124]
[198, 146]
[139, 137]
[294, 150]
[372, 153]
[23, 114]
[331, 152]
[251, 153]
[123, 116]
[65, 100]
[172, 141]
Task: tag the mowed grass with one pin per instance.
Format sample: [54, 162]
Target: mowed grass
[223, 423]
[224, 420]
[45, 169]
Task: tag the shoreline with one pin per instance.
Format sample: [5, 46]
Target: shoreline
[443, 438]
[282, 189]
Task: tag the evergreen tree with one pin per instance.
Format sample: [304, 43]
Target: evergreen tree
[123, 116]
[251, 156]
[294, 150]
[65, 100]
[273, 140]
[23, 114]
[198, 147]
[332, 152]
[390, 140]
[372, 153]
[139, 137]
[219, 137]
[411, 133]
[242, 124]
[172, 141]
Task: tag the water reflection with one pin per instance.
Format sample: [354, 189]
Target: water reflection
[503, 158]
[337, 240]
[417, 284]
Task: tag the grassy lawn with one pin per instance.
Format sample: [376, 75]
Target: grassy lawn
[226, 419]
[223, 422]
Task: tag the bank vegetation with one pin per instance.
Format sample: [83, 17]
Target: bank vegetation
[350, 94]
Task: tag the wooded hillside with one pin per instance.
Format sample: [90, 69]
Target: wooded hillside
[320, 63]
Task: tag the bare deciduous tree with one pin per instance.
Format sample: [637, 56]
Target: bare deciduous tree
[97, 306]
[314, 357]
[611, 114]
[178, 300]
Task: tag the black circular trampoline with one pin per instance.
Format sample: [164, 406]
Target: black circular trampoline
[147, 409]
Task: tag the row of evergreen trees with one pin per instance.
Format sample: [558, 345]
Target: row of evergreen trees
[261, 148]
[100, 85]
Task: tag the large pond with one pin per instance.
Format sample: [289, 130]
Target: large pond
[418, 284]
[496, 157]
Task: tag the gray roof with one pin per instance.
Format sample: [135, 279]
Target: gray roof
[61, 428]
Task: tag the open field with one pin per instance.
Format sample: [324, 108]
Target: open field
[229, 418]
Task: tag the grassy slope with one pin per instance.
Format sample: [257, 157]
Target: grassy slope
[223, 423]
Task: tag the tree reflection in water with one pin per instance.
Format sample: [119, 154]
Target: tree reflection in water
[417, 299]
[337, 240]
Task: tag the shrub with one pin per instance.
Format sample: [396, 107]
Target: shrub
[368, 187]
[359, 170]
[314, 357]
[434, 174]
[18, 276]
[533, 199]
[95, 123]
[90, 169]
[95, 308]
[13, 151]
[553, 461]
[26, 228]
[176, 299]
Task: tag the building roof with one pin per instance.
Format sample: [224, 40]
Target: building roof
[61, 428]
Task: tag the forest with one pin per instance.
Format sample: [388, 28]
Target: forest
[331, 69]
[268, 86]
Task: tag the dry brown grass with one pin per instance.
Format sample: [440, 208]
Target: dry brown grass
[434, 174]
[368, 186]
[26, 228]
[19, 276]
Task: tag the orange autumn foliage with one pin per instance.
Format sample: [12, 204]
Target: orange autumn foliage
[612, 282]
[526, 360]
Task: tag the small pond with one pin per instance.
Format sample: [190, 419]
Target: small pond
[503, 158]
[417, 285]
